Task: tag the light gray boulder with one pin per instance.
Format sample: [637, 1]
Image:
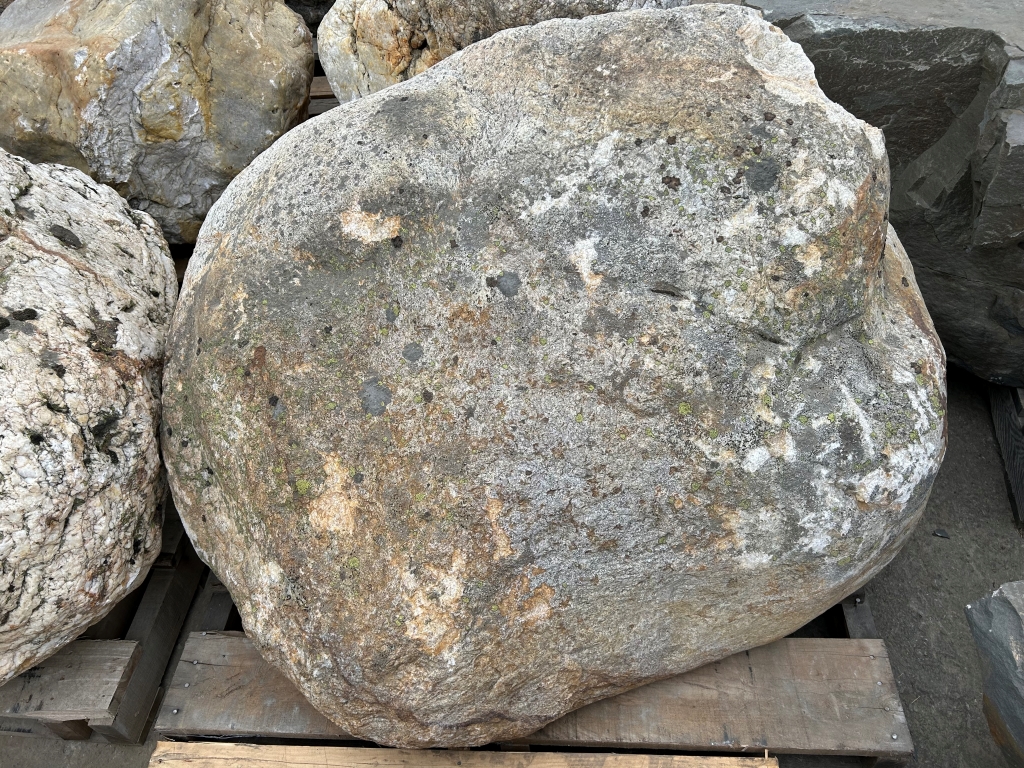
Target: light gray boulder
[86, 293]
[945, 82]
[997, 622]
[582, 359]
[164, 101]
[366, 45]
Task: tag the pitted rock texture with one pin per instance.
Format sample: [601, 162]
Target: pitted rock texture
[164, 101]
[582, 367]
[997, 622]
[949, 95]
[87, 288]
[366, 45]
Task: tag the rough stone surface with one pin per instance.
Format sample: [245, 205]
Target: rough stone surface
[947, 88]
[582, 367]
[366, 45]
[997, 622]
[86, 293]
[164, 101]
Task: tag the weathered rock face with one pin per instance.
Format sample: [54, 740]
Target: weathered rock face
[582, 367]
[366, 45]
[997, 622]
[86, 293]
[166, 102]
[950, 98]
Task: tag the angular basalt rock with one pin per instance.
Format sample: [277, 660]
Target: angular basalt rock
[945, 82]
[366, 45]
[582, 367]
[87, 288]
[997, 622]
[164, 101]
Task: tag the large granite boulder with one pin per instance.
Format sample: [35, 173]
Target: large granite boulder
[86, 293]
[164, 101]
[582, 359]
[997, 622]
[366, 45]
[945, 82]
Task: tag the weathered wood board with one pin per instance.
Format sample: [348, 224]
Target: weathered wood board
[798, 695]
[82, 681]
[1007, 406]
[211, 755]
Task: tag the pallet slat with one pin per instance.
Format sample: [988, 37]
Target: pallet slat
[155, 628]
[795, 696]
[82, 681]
[207, 755]
[1006, 405]
[798, 695]
[320, 89]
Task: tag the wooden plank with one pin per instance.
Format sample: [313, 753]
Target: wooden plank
[860, 624]
[1007, 412]
[798, 695]
[84, 680]
[156, 627]
[218, 608]
[72, 730]
[321, 89]
[212, 755]
[223, 687]
[795, 696]
[319, 106]
[24, 727]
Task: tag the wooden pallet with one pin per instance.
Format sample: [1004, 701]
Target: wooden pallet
[1007, 404]
[108, 681]
[800, 695]
[321, 97]
[207, 755]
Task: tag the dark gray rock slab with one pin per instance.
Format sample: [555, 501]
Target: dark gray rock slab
[997, 622]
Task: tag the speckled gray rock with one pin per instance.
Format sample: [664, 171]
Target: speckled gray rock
[997, 622]
[86, 293]
[945, 82]
[582, 367]
[164, 101]
[366, 45]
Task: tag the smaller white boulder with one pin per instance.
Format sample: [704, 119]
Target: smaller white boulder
[87, 288]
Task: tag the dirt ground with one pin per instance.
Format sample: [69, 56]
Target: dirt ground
[918, 601]
[918, 604]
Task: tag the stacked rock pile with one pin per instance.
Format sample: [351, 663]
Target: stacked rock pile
[583, 357]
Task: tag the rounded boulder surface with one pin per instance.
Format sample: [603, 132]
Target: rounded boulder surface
[580, 360]
[87, 288]
[164, 101]
[366, 45]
